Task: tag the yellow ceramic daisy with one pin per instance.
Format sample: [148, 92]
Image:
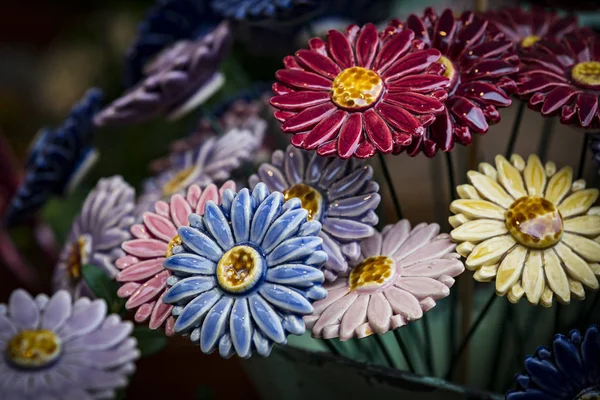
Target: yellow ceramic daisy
[531, 228]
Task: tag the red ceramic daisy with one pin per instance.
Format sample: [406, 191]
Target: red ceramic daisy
[359, 92]
[525, 28]
[478, 65]
[563, 77]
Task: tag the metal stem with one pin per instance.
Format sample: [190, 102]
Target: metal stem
[390, 183]
[515, 130]
[584, 148]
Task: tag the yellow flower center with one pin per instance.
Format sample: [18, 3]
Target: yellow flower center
[356, 88]
[587, 73]
[174, 185]
[239, 269]
[534, 222]
[176, 241]
[33, 348]
[311, 199]
[75, 259]
[373, 272]
[529, 41]
[450, 70]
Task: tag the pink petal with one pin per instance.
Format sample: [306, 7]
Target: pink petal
[423, 287]
[193, 194]
[159, 226]
[142, 270]
[352, 33]
[180, 210]
[318, 45]
[420, 236]
[126, 261]
[379, 313]
[303, 80]
[318, 63]
[139, 231]
[280, 89]
[327, 149]
[169, 327]
[393, 49]
[334, 293]
[160, 313]
[366, 45]
[128, 289]
[334, 313]
[210, 193]
[354, 317]
[411, 64]
[350, 135]
[145, 248]
[587, 107]
[393, 239]
[434, 268]
[148, 291]
[298, 139]
[400, 118]
[415, 102]
[308, 118]
[340, 50]
[298, 101]
[468, 113]
[427, 250]
[325, 130]
[378, 131]
[557, 98]
[365, 150]
[423, 83]
[143, 312]
[162, 208]
[404, 303]
[290, 63]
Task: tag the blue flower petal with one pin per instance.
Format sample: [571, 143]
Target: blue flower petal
[590, 353]
[545, 375]
[299, 275]
[283, 228]
[285, 298]
[226, 349]
[292, 204]
[266, 319]
[317, 259]
[195, 310]
[310, 228]
[262, 344]
[187, 288]
[295, 249]
[215, 324]
[241, 213]
[218, 226]
[227, 200]
[260, 193]
[294, 324]
[530, 394]
[200, 243]
[187, 263]
[196, 221]
[264, 216]
[241, 328]
[568, 362]
[315, 293]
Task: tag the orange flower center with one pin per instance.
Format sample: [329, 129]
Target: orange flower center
[373, 272]
[529, 41]
[239, 269]
[33, 348]
[534, 222]
[587, 73]
[176, 241]
[76, 259]
[311, 198]
[356, 88]
[450, 70]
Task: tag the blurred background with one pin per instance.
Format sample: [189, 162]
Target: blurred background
[51, 52]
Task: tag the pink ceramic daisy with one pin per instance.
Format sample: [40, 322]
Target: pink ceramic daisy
[359, 92]
[398, 277]
[142, 273]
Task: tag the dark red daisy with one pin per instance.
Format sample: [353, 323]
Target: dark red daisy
[359, 92]
[478, 64]
[563, 77]
[525, 28]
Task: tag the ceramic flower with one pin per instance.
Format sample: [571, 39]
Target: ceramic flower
[399, 275]
[246, 272]
[526, 27]
[563, 78]
[252, 10]
[529, 227]
[595, 148]
[57, 349]
[338, 193]
[142, 275]
[359, 92]
[179, 79]
[210, 162]
[570, 370]
[479, 66]
[96, 235]
[58, 159]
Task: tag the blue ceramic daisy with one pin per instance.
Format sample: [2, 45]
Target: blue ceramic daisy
[262, 9]
[245, 273]
[568, 371]
[58, 159]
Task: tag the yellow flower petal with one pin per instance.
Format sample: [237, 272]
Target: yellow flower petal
[559, 185]
[587, 225]
[517, 161]
[595, 267]
[578, 185]
[486, 273]
[467, 192]
[550, 169]
[535, 176]
[546, 299]
[490, 189]
[488, 170]
[464, 249]
[533, 277]
[457, 220]
[578, 203]
[586, 248]
[478, 209]
[510, 178]
[515, 293]
[510, 269]
[478, 230]
[576, 267]
[594, 211]
[556, 277]
[490, 251]
[577, 290]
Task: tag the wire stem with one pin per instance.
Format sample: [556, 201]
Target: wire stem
[515, 130]
[584, 148]
[390, 183]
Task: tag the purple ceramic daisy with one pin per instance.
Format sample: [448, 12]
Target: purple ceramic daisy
[57, 349]
[176, 81]
[595, 147]
[96, 235]
[210, 162]
[338, 193]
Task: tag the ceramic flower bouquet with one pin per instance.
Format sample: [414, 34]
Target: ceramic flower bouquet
[239, 263]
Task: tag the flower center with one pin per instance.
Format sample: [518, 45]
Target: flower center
[450, 70]
[529, 41]
[356, 88]
[311, 199]
[372, 273]
[534, 222]
[592, 393]
[175, 183]
[587, 73]
[76, 259]
[240, 269]
[33, 348]
[176, 241]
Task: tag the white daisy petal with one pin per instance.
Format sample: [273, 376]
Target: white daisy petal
[555, 277]
[510, 178]
[510, 269]
[533, 277]
[535, 176]
[478, 209]
[490, 189]
[578, 202]
[576, 267]
[490, 251]
[559, 185]
[586, 225]
[478, 230]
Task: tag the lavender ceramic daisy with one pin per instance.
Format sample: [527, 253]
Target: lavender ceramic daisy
[338, 193]
[210, 162]
[96, 235]
[180, 78]
[245, 273]
[57, 349]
